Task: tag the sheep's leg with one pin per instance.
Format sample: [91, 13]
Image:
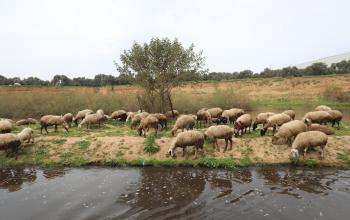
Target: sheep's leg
[230, 143]
[217, 145]
[183, 151]
[55, 127]
[33, 139]
[41, 130]
[46, 130]
[305, 150]
[226, 143]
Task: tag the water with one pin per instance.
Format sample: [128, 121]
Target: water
[174, 193]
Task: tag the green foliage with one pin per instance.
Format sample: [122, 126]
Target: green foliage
[311, 163]
[151, 146]
[83, 145]
[294, 160]
[344, 157]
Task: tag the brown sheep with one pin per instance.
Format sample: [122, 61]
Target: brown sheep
[220, 132]
[146, 123]
[305, 140]
[274, 121]
[242, 123]
[261, 118]
[68, 118]
[186, 139]
[183, 122]
[52, 120]
[288, 131]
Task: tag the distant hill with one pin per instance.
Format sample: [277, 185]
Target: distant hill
[326, 60]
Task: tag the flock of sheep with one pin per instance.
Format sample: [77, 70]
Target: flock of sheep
[303, 134]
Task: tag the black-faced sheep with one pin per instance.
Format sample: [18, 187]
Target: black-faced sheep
[220, 132]
[274, 121]
[309, 139]
[261, 118]
[183, 122]
[146, 123]
[81, 115]
[5, 126]
[288, 131]
[186, 139]
[242, 123]
[52, 120]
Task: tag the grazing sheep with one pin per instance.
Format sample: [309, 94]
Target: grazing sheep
[163, 121]
[215, 112]
[137, 119]
[7, 119]
[5, 126]
[183, 122]
[319, 117]
[291, 113]
[26, 121]
[186, 139]
[119, 115]
[261, 118]
[232, 114]
[146, 123]
[274, 121]
[10, 142]
[52, 120]
[95, 118]
[323, 128]
[81, 115]
[26, 134]
[169, 114]
[288, 131]
[305, 140]
[68, 118]
[336, 116]
[203, 115]
[323, 108]
[242, 123]
[220, 132]
[130, 116]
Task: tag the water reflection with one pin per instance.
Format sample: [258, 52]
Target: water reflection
[13, 178]
[53, 173]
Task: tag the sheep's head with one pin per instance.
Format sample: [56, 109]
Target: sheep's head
[307, 121]
[263, 131]
[294, 153]
[254, 126]
[171, 152]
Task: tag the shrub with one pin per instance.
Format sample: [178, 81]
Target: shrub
[151, 146]
[335, 93]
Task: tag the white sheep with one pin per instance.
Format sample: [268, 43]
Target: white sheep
[96, 118]
[146, 123]
[323, 108]
[183, 122]
[10, 142]
[319, 117]
[231, 115]
[220, 132]
[274, 121]
[261, 118]
[5, 126]
[26, 134]
[135, 121]
[242, 123]
[81, 115]
[288, 131]
[186, 139]
[291, 113]
[215, 112]
[52, 120]
[308, 139]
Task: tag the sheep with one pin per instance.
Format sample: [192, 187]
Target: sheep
[10, 142]
[186, 139]
[336, 117]
[288, 131]
[274, 121]
[324, 128]
[52, 120]
[183, 122]
[95, 118]
[26, 121]
[203, 115]
[119, 115]
[130, 116]
[319, 117]
[169, 114]
[5, 126]
[68, 118]
[137, 119]
[305, 140]
[242, 123]
[261, 118]
[220, 132]
[26, 134]
[323, 108]
[7, 119]
[146, 123]
[231, 115]
[81, 115]
[215, 112]
[163, 121]
[291, 113]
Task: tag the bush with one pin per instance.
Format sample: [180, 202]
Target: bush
[151, 146]
[334, 93]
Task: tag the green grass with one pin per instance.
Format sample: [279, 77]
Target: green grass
[58, 141]
[344, 157]
[311, 163]
[151, 146]
[83, 145]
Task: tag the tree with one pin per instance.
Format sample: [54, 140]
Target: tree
[317, 69]
[159, 66]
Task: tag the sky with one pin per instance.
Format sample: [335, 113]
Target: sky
[82, 38]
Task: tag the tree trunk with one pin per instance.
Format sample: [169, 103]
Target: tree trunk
[171, 104]
[138, 101]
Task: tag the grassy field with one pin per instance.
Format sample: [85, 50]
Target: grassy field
[251, 94]
[116, 144]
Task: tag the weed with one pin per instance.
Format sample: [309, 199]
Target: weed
[83, 145]
[311, 163]
[344, 157]
[58, 141]
[151, 146]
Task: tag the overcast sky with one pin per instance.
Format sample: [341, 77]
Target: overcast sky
[83, 38]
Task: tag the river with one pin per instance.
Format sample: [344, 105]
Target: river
[275, 192]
